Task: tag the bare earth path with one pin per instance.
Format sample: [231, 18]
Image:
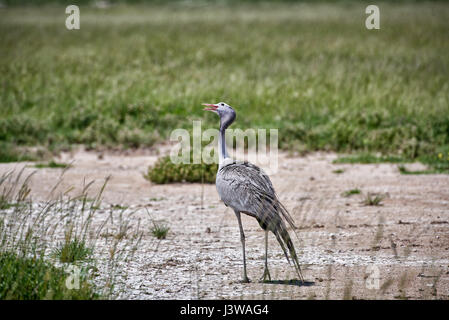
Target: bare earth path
[348, 250]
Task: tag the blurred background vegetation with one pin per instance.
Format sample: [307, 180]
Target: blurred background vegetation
[136, 70]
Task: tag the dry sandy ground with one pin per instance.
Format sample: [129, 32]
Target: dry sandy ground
[399, 249]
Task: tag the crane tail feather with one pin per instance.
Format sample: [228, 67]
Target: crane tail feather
[284, 240]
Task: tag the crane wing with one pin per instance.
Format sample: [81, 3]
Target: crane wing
[247, 188]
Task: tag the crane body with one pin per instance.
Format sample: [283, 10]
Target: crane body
[246, 189]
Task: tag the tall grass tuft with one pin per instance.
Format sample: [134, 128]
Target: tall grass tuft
[34, 278]
[40, 240]
[159, 230]
[373, 199]
[72, 250]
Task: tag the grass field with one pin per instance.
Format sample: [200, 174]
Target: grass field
[132, 74]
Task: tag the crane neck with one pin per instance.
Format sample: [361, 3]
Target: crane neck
[223, 156]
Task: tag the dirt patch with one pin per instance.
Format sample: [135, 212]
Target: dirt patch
[397, 250]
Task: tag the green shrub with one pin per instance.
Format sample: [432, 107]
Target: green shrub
[438, 161]
[165, 171]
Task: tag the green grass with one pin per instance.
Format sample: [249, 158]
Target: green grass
[159, 230]
[373, 199]
[367, 158]
[52, 164]
[351, 192]
[157, 199]
[404, 170]
[10, 153]
[132, 74]
[4, 203]
[338, 171]
[72, 250]
[30, 251]
[23, 278]
[438, 162]
[119, 207]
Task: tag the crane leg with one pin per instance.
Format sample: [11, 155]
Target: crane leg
[266, 272]
[242, 239]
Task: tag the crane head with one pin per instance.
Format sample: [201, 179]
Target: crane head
[225, 112]
[218, 108]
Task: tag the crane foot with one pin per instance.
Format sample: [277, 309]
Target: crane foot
[266, 275]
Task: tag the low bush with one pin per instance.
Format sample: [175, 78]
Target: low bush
[165, 171]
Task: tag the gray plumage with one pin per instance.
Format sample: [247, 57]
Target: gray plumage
[246, 188]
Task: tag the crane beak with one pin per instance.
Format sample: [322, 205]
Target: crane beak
[210, 107]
